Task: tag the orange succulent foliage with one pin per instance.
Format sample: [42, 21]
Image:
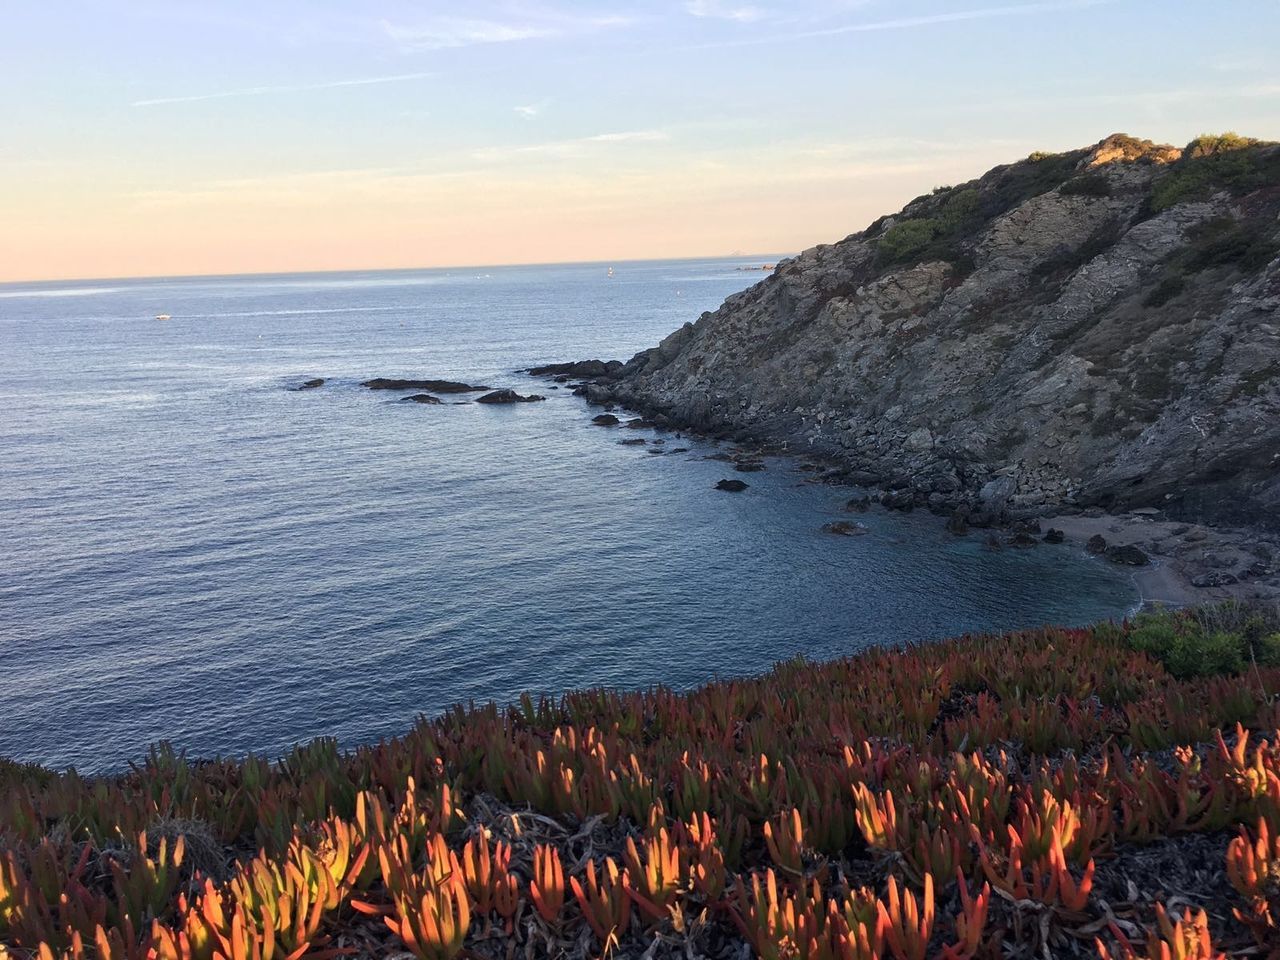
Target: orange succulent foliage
[1186, 939]
[952, 772]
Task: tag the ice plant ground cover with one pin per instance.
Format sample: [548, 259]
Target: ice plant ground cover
[1047, 793]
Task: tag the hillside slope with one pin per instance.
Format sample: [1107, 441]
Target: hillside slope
[1098, 327]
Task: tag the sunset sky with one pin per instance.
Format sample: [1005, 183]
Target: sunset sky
[158, 137]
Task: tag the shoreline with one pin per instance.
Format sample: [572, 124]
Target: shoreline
[1190, 563]
[1187, 563]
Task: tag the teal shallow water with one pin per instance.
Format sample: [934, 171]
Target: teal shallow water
[191, 551]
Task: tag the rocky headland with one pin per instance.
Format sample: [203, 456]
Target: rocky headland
[1092, 334]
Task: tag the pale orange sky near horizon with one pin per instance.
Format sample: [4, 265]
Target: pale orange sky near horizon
[150, 139]
[352, 222]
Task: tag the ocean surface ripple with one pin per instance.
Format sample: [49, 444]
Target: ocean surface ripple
[193, 551]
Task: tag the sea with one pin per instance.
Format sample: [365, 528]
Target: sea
[193, 551]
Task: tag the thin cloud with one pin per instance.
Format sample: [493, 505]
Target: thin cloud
[907, 23]
[629, 136]
[570, 148]
[531, 110]
[445, 32]
[442, 33]
[718, 10]
[928, 20]
[290, 88]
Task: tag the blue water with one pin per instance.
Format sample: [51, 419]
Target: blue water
[191, 551]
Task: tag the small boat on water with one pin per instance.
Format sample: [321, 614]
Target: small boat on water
[162, 316]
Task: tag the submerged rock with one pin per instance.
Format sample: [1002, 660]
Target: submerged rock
[421, 398]
[435, 386]
[508, 396]
[731, 486]
[311, 384]
[845, 528]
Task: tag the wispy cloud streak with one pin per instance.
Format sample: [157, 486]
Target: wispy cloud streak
[287, 88]
[907, 23]
[718, 10]
[569, 148]
[444, 32]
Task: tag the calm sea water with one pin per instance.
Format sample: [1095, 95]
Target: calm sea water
[190, 551]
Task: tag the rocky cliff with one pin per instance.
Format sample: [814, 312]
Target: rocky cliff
[1094, 328]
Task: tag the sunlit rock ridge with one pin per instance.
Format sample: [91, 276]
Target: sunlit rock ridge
[1097, 327]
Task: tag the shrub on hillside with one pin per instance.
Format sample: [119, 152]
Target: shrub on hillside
[1169, 287]
[1090, 185]
[1210, 641]
[1211, 164]
[906, 240]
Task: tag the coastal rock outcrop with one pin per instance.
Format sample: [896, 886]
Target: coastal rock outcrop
[1097, 328]
[434, 386]
[508, 396]
[580, 369]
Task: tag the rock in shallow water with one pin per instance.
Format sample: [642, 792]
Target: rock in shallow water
[605, 420]
[422, 398]
[731, 486]
[1127, 554]
[845, 528]
[312, 384]
[435, 386]
[508, 396]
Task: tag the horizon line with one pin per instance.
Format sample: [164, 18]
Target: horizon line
[464, 266]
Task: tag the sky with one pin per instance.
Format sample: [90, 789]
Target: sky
[169, 137]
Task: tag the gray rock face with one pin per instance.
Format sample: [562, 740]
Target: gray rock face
[1099, 328]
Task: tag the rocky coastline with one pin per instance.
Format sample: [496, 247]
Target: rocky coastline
[1086, 343]
[1172, 563]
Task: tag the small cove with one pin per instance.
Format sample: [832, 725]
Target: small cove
[197, 553]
